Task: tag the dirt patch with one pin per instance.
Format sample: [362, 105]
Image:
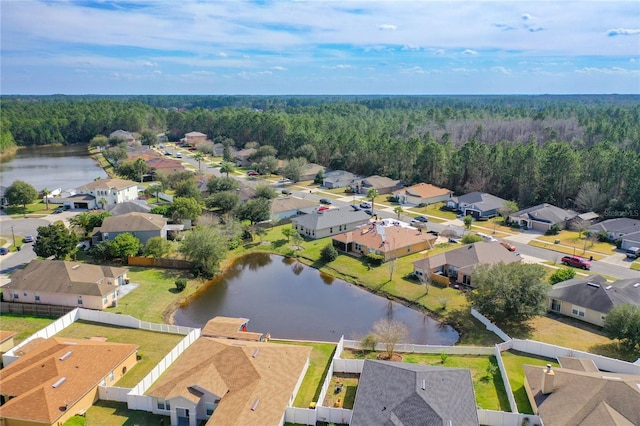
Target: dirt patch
[385, 357]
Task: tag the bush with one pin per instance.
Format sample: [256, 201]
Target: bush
[603, 237]
[422, 205]
[369, 342]
[234, 243]
[329, 253]
[181, 284]
[562, 275]
[375, 259]
[470, 238]
[554, 230]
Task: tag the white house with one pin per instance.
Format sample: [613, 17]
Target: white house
[114, 191]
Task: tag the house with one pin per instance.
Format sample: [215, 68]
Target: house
[139, 206]
[113, 191]
[57, 378]
[193, 138]
[62, 283]
[542, 217]
[242, 157]
[396, 393]
[382, 184]
[338, 179]
[231, 382]
[384, 238]
[320, 224]
[285, 207]
[81, 201]
[422, 193]
[457, 265]
[123, 135]
[143, 226]
[161, 138]
[310, 170]
[591, 298]
[622, 228]
[6, 340]
[164, 165]
[478, 204]
[582, 396]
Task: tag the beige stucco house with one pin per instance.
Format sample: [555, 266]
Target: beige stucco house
[422, 193]
[143, 226]
[62, 283]
[194, 137]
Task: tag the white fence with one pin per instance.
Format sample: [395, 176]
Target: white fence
[428, 349]
[113, 393]
[501, 418]
[490, 326]
[505, 380]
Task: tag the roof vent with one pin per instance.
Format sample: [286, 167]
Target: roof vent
[255, 405]
[65, 356]
[75, 266]
[255, 353]
[424, 384]
[596, 285]
[636, 285]
[60, 381]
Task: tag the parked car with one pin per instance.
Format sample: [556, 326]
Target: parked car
[508, 245]
[323, 208]
[421, 219]
[28, 239]
[167, 153]
[355, 207]
[58, 210]
[286, 192]
[178, 155]
[365, 205]
[368, 211]
[576, 262]
[252, 173]
[3, 251]
[633, 252]
[325, 201]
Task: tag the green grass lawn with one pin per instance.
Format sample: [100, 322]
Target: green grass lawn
[24, 325]
[346, 397]
[153, 346]
[111, 413]
[435, 210]
[574, 239]
[513, 362]
[577, 250]
[487, 382]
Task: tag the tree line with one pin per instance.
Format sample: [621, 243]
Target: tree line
[572, 151]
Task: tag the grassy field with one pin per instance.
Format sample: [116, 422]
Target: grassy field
[111, 413]
[153, 346]
[487, 382]
[24, 325]
[513, 362]
[435, 210]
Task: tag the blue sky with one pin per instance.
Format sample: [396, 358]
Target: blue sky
[319, 47]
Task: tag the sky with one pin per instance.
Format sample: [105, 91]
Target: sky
[319, 47]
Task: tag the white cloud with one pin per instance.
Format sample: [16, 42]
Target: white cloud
[469, 52]
[623, 31]
[337, 67]
[412, 70]
[502, 70]
[612, 70]
[387, 27]
[223, 54]
[465, 70]
[278, 68]
[410, 47]
[526, 17]
[150, 64]
[438, 52]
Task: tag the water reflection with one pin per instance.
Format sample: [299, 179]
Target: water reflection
[300, 305]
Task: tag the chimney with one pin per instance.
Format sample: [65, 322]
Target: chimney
[547, 380]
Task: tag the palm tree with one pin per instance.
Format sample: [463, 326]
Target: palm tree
[226, 167]
[398, 210]
[199, 157]
[102, 202]
[372, 194]
[45, 194]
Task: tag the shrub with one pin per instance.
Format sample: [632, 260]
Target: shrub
[234, 243]
[554, 230]
[369, 342]
[375, 259]
[562, 275]
[329, 253]
[181, 284]
[603, 237]
[443, 357]
[421, 205]
[470, 238]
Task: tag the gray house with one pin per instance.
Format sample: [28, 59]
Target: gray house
[542, 217]
[142, 225]
[320, 224]
[396, 393]
[338, 179]
[382, 184]
[285, 207]
[477, 204]
[623, 228]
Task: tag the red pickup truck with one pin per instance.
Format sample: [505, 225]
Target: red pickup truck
[576, 261]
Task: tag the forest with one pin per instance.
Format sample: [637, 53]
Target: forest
[574, 151]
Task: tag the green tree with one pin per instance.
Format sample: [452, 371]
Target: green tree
[328, 253]
[45, 193]
[468, 220]
[562, 274]
[185, 208]
[155, 188]
[293, 168]
[227, 167]
[509, 293]
[204, 248]
[188, 189]
[225, 201]
[220, 184]
[390, 333]
[124, 245]
[319, 178]
[289, 232]
[98, 141]
[372, 193]
[55, 240]
[507, 208]
[255, 210]
[116, 154]
[148, 137]
[470, 238]
[157, 247]
[226, 153]
[20, 193]
[265, 191]
[87, 221]
[181, 284]
[623, 323]
[267, 165]
[199, 157]
[398, 210]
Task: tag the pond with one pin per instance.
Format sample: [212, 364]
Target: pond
[290, 300]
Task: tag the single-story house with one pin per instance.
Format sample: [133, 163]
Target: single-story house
[582, 395]
[310, 170]
[122, 134]
[391, 242]
[6, 340]
[164, 165]
[422, 193]
[382, 184]
[192, 138]
[112, 190]
[338, 179]
[285, 207]
[242, 157]
[396, 393]
[57, 378]
[623, 228]
[62, 283]
[143, 226]
[542, 217]
[457, 265]
[139, 206]
[591, 298]
[320, 224]
[477, 204]
[231, 382]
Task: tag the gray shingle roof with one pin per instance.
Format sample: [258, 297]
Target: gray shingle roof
[331, 217]
[131, 222]
[481, 200]
[391, 393]
[591, 292]
[546, 213]
[622, 225]
[129, 207]
[468, 256]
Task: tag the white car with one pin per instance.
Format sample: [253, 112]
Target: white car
[365, 205]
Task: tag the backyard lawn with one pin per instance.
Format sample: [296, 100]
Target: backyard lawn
[24, 325]
[513, 362]
[111, 413]
[342, 391]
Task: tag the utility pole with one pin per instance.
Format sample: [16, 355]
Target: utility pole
[14, 237]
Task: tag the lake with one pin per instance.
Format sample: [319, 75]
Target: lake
[290, 300]
[51, 167]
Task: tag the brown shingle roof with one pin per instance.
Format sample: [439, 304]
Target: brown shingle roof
[134, 221]
[117, 184]
[30, 378]
[6, 335]
[395, 237]
[423, 190]
[227, 369]
[229, 327]
[57, 276]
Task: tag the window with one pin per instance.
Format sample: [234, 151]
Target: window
[210, 406]
[79, 300]
[37, 296]
[103, 382]
[111, 376]
[331, 230]
[16, 296]
[577, 311]
[555, 305]
[25, 293]
[105, 300]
